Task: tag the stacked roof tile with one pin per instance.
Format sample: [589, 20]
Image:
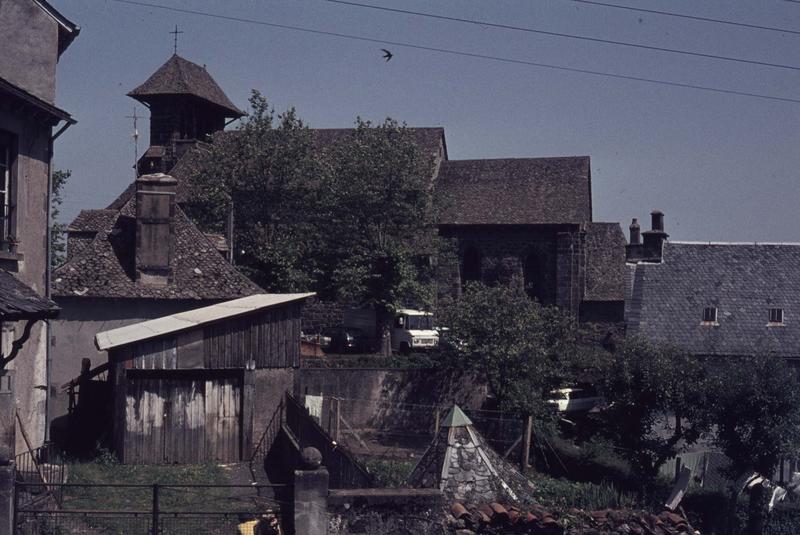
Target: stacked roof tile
[179, 76]
[104, 267]
[517, 191]
[497, 519]
[605, 262]
[18, 301]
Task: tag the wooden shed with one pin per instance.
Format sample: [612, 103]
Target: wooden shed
[183, 387]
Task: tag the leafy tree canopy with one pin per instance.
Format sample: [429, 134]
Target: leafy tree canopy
[353, 220]
[646, 385]
[58, 242]
[514, 342]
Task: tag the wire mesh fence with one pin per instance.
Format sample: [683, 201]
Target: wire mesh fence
[151, 509]
[384, 428]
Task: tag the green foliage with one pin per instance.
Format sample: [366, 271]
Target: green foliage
[646, 385]
[265, 171]
[561, 495]
[58, 241]
[512, 341]
[755, 404]
[353, 221]
[389, 473]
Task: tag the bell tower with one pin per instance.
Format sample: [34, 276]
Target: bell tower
[186, 105]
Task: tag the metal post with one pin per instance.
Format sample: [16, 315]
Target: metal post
[15, 501]
[338, 422]
[156, 529]
[526, 444]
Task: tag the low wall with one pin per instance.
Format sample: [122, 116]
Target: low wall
[382, 511]
[389, 397]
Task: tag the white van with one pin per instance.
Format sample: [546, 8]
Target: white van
[413, 331]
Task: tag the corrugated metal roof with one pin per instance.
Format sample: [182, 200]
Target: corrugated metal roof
[193, 318]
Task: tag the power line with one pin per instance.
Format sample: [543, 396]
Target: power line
[691, 17]
[567, 35]
[463, 53]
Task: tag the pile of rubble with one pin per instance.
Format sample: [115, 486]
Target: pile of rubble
[495, 518]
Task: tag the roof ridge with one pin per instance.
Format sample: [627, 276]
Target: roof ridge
[700, 242]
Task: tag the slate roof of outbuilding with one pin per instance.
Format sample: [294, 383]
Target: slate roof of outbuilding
[179, 76]
[515, 191]
[105, 267]
[18, 301]
[665, 301]
[605, 262]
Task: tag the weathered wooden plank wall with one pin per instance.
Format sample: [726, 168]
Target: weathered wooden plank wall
[270, 339]
[156, 354]
[172, 419]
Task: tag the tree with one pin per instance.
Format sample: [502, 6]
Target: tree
[755, 404]
[268, 175]
[645, 386]
[58, 242]
[379, 223]
[512, 341]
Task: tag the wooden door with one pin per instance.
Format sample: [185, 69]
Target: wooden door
[174, 418]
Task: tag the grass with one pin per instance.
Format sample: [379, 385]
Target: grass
[105, 470]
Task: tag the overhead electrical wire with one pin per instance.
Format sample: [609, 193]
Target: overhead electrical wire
[566, 35]
[462, 53]
[691, 17]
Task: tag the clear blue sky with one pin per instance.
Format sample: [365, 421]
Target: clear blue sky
[721, 167]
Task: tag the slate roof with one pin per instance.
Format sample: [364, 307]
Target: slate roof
[105, 266]
[516, 191]
[179, 76]
[665, 301]
[605, 262]
[18, 301]
[93, 221]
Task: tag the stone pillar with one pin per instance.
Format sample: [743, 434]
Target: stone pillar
[311, 494]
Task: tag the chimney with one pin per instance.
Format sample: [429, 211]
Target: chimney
[653, 243]
[636, 237]
[155, 228]
[633, 251]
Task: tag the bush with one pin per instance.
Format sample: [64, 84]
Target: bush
[389, 473]
[560, 494]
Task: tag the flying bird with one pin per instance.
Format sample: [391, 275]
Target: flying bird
[386, 54]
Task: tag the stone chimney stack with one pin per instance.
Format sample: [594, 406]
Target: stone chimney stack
[155, 228]
[636, 237]
[633, 251]
[647, 246]
[653, 239]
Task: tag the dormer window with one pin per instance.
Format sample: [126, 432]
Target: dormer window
[710, 315]
[776, 316]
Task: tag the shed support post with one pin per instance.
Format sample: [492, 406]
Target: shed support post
[338, 422]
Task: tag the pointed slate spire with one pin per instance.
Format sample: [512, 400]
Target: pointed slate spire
[456, 418]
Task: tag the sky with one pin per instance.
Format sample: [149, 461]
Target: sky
[722, 167]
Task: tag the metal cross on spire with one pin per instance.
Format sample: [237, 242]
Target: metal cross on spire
[175, 32]
[135, 137]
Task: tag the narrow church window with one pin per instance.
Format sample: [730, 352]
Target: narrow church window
[710, 315]
[470, 265]
[776, 315]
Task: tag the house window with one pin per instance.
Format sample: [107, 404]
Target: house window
[7, 156]
[776, 315]
[710, 315]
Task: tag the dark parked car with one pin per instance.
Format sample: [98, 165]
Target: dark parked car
[344, 340]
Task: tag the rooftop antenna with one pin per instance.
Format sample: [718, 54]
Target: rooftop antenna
[175, 32]
[135, 137]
